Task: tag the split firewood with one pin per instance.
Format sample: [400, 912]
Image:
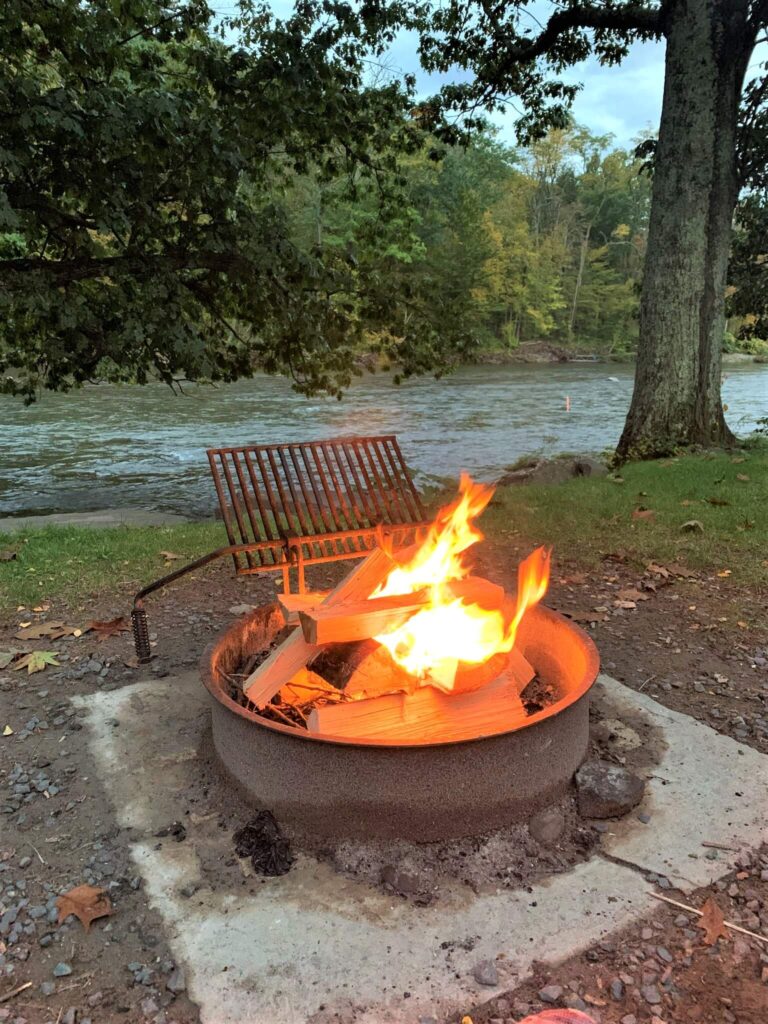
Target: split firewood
[294, 653]
[292, 604]
[340, 623]
[307, 686]
[427, 715]
[517, 669]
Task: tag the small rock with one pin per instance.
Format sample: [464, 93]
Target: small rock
[401, 881]
[25, 862]
[651, 994]
[617, 989]
[69, 1016]
[47, 988]
[574, 1002]
[630, 1018]
[607, 791]
[149, 1006]
[644, 818]
[550, 993]
[176, 981]
[485, 973]
[61, 970]
[547, 826]
[663, 953]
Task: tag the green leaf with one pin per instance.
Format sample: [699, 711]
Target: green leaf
[36, 661]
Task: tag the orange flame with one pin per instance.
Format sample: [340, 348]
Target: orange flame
[449, 630]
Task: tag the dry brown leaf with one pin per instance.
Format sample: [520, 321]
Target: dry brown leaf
[744, 477]
[631, 594]
[50, 630]
[717, 501]
[112, 628]
[643, 513]
[687, 502]
[737, 459]
[658, 570]
[586, 616]
[683, 571]
[169, 556]
[624, 604]
[7, 556]
[712, 922]
[724, 574]
[86, 902]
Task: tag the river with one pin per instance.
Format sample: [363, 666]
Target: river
[108, 446]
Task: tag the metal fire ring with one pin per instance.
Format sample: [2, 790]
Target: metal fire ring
[422, 792]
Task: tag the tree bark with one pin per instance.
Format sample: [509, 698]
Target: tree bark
[676, 400]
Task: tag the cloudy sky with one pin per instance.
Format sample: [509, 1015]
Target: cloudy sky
[622, 101]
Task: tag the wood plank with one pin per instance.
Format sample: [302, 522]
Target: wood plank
[341, 623]
[427, 715]
[294, 652]
[292, 604]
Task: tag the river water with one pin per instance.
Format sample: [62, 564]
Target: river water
[108, 446]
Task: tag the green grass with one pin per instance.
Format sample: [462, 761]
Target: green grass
[584, 520]
[70, 563]
[587, 518]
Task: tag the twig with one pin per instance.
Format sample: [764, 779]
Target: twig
[38, 853]
[699, 913]
[719, 846]
[275, 710]
[15, 991]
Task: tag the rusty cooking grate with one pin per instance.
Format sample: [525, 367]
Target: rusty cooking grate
[293, 505]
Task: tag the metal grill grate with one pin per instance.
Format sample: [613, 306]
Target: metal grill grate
[316, 501]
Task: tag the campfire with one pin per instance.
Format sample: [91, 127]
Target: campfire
[410, 646]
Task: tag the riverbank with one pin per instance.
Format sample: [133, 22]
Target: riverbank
[536, 352]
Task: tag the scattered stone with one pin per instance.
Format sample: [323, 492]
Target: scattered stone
[651, 994]
[547, 826]
[644, 818]
[630, 1018]
[607, 791]
[69, 1016]
[61, 970]
[550, 993]
[402, 881]
[149, 1006]
[176, 982]
[485, 973]
[663, 954]
[617, 989]
[25, 862]
[47, 988]
[574, 1002]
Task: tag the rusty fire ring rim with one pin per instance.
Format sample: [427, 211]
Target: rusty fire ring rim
[219, 694]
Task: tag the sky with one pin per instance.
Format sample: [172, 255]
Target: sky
[622, 101]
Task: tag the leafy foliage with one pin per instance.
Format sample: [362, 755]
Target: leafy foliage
[145, 176]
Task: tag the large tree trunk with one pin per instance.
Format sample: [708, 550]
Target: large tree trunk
[676, 399]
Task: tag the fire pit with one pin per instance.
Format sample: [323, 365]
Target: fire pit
[414, 701]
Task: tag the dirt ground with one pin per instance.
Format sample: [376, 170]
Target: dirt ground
[680, 641]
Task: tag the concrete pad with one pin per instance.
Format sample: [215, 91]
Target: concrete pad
[277, 953]
[706, 787]
[107, 517]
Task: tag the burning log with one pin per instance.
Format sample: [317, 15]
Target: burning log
[325, 624]
[427, 714]
[294, 652]
[292, 604]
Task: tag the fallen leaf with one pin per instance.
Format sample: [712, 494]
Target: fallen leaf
[687, 502]
[725, 573]
[169, 556]
[624, 604]
[643, 513]
[7, 556]
[586, 616]
[131, 662]
[632, 595]
[6, 657]
[738, 458]
[712, 922]
[742, 625]
[744, 477]
[7, 731]
[658, 570]
[575, 577]
[86, 902]
[106, 629]
[693, 526]
[36, 661]
[50, 630]
[684, 571]
[717, 501]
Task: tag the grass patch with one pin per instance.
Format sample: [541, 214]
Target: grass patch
[587, 518]
[71, 562]
[584, 520]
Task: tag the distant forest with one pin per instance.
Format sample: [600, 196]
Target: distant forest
[544, 244]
